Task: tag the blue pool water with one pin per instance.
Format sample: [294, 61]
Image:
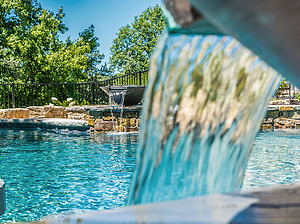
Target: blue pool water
[275, 159]
[49, 173]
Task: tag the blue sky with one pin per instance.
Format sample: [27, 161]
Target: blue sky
[106, 15]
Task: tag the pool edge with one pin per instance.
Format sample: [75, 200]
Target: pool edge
[278, 204]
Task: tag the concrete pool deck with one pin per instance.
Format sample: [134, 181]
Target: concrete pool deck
[279, 204]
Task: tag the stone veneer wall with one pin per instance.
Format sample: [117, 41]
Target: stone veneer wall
[101, 120]
[282, 117]
[45, 112]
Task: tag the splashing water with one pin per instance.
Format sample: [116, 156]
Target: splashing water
[205, 100]
[121, 93]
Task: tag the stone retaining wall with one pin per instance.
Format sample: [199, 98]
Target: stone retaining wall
[282, 117]
[45, 112]
[103, 121]
[99, 118]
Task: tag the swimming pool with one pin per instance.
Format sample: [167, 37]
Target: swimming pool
[275, 159]
[52, 172]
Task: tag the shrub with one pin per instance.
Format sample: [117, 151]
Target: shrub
[67, 103]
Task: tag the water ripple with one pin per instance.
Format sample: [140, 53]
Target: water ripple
[49, 173]
[274, 159]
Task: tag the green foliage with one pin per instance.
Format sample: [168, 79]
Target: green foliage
[132, 49]
[101, 74]
[31, 51]
[95, 57]
[297, 96]
[84, 102]
[69, 102]
[283, 84]
[61, 104]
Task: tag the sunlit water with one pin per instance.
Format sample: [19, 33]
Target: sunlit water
[48, 173]
[205, 100]
[275, 159]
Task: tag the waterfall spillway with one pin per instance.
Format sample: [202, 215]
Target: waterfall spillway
[119, 97]
[205, 100]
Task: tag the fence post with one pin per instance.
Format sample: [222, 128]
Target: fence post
[93, 93]
[140, 76]
[13, 97]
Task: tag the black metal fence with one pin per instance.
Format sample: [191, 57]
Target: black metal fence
[24, 95]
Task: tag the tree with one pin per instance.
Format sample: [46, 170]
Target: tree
[95, 57]
[132, 49]
[13, 15]
[31, 51]
[102, 73]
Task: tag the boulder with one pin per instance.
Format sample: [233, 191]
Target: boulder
[55, 112]
[267, 126]
[104, 126]
[36, 112]
[18, 113]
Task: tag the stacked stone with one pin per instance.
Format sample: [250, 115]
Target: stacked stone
[76, 112]
[285, 102]
[109, 123]
[282, 117]
[280, 123]
[14, 113]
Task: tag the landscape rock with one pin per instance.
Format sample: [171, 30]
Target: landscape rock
[296, 115]
[284, 123]
[267, 126]
[36, 112]
[124, 121]
[132, 122]
[18, 113]
[120, 129]
[132, 129]
[91, 122]
[108, 118]
[104, 126]
[55, 112]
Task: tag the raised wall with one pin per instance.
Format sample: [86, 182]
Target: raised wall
[100, 118]
[45, 112]
[282, 117]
